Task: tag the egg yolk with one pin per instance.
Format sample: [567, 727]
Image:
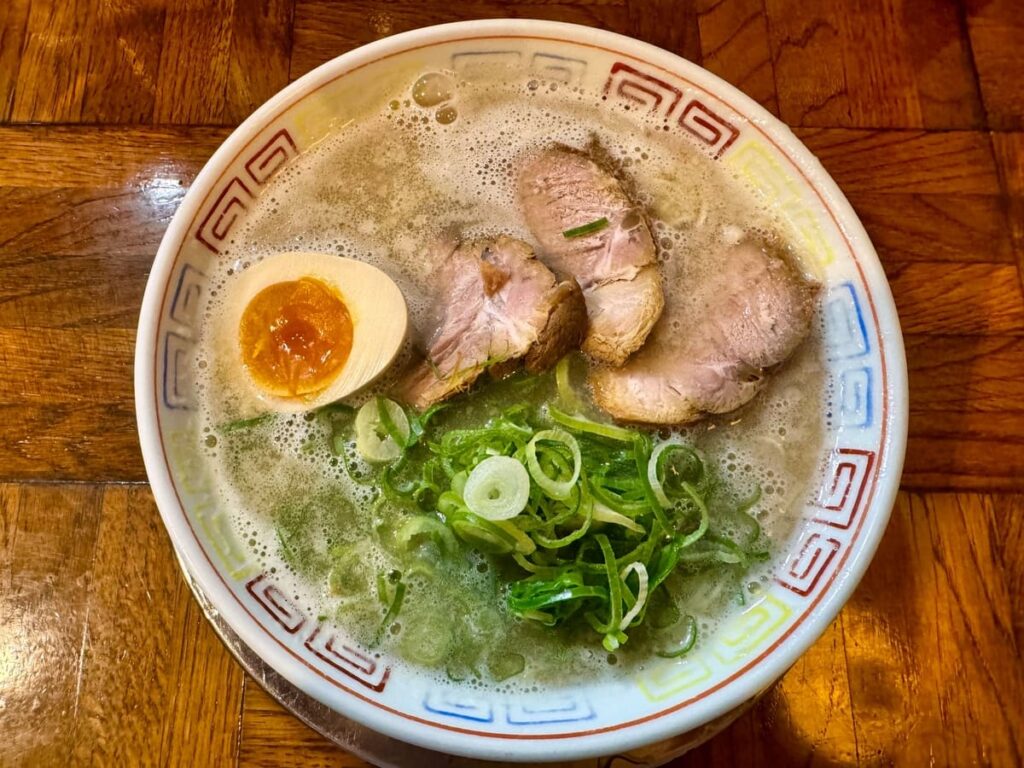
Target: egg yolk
[295, 337]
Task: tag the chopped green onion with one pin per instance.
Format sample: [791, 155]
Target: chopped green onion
[497, 488]
[598, 517]
[686, 644]
[566, 394]
[583, 424]
[556, 489]
[586, 229]
[603, 514]
[523, 543]
[421, 527]
[641, 596]
[237, 424]
[393, 609]
[382, 429]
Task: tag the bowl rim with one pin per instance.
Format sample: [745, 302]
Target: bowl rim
[662, 723]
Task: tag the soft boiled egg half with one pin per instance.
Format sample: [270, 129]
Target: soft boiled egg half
[306, 329]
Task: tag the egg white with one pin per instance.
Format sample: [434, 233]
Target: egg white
[375, 304]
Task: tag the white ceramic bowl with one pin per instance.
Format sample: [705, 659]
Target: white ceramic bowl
[826, 556]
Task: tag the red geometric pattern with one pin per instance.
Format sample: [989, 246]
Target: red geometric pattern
[841, 497]
[708, 127]
[803, 572]
[234, 199]
[271, 156]
[357, 665]
[229, 205]
[636, 86]
[276, 604]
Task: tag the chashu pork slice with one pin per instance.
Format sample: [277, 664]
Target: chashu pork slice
[500, 305]
[751, 315]
[561, 189]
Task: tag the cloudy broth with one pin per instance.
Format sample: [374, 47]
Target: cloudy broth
[393, 188]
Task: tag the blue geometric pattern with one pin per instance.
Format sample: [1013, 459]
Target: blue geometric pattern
[519, 712]
[846, 336]
[856, 398]
[441, 703]
[176, 389]
[186, 295]
[571, 709]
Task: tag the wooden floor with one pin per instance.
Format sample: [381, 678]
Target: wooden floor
[108, 108]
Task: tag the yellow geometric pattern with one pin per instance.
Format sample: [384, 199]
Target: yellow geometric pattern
[191, 475]
[754, 163]
[668, 678]
[749, 631]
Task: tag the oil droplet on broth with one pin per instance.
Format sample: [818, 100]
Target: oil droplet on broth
[446, 115]
[432, 89]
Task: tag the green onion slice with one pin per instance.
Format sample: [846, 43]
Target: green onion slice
[641, 596]
[603, 514]
[689, 640]
[583, 424]
[382, 429]
[497, 488]
[555, 488]
[586, 229]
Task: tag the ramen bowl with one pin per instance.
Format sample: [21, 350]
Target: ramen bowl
[818, 566]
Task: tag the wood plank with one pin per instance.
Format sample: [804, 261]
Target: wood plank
[325, 29]
[734, 44]
[86, 291]
[934, 668]
[805, 719]
[261, 51]
[41, 226]
[120, 84]
[272, 737]
[905, 162]
[936, 227]
[1009, 151]
[666, 24]
[891, 64]
[943, 297]
[194, 62]
[157, 680]
[996, 29]
[966, 413]
[117, 664]
[66, 404]
[45, 575]
[54, 61]
[13, 25]
[101, 158]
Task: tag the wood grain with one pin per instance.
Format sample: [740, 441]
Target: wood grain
[996, 29]
[324, 29]
[113, 662]
[734, 44]
[122, 75]
[1009, 150]
[66, 406]
[966, 412]
[939, 297]
[270, 735]
[890, 64]
[88, 157]
[109, 108]
[951, 227]
[261, 51]
[54, 61]
[897, 162]
[13, 25]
